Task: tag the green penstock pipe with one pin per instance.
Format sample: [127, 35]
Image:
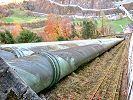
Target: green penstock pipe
[43, 70]
[10, 51]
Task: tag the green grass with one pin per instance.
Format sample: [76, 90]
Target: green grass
[39, 29]
[124, 22]
[77, 21]
[21, 20]
[115, 24]
[21, 17]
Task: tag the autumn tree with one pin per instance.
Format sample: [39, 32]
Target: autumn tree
[56, 26]
[16, 29]
[66, 27]
[52, 27]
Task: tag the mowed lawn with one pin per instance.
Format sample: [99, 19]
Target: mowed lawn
[21, 16]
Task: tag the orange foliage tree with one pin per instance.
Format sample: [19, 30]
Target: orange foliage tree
[16, 29]
[66, 27]
[57, 26]
[52, 27]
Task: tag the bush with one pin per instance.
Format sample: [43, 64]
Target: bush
[60, 38]
[6, 38]
[88, 29]
[27, 36]
[73, 33]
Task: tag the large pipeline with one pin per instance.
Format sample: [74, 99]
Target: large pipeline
[27, 49]
[42, 70]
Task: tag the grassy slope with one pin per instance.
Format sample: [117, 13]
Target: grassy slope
[124, 22]
[116, 24]
[39, 29]
[21, 17]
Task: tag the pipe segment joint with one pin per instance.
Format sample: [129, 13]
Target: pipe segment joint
[55, 65]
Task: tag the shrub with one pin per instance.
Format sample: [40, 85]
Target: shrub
[73, 32]
[60, 38]
[6, 38]
[88, 29]
[27, 36]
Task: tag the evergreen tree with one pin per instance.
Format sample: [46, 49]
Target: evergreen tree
[88, 29]
[6, 37]
[60, 38]
[73, 32]
[27, 36]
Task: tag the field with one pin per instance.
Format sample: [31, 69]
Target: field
[124, 22]
[115, 24]
[21, 16]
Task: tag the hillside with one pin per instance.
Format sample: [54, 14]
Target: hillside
[78, 7]
[93, 4]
